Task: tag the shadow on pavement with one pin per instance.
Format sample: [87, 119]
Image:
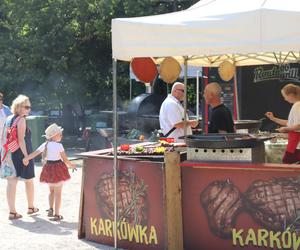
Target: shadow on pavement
[45, 226]
[97, 245]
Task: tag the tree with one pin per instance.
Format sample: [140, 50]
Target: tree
[59, 52]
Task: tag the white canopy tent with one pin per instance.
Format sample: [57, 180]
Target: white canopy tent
[245, 32]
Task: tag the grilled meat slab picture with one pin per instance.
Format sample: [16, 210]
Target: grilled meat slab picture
[131, 197]
[274, 203]
[222, 202]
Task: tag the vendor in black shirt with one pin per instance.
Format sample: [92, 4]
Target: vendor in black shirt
[220, 118]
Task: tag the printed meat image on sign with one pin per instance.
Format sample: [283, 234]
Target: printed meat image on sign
[140, 225]
[243, 206]
[274, 204]
[222, 202]
[131, 197]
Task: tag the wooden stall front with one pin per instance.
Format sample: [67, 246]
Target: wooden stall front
[149, 201]
[240, 206]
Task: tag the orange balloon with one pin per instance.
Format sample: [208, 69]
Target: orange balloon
[144, 68]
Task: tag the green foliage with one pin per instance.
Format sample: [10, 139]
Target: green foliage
[59, 51]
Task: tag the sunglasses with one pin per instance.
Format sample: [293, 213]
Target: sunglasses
[1, 99]
[182, 90]
[27, 107]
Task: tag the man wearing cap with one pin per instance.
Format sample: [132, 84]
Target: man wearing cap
[171, 115]
[220, 120]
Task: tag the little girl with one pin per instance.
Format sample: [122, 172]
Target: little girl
[55, 171]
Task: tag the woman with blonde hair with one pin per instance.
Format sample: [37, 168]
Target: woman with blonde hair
[13, 159]
[291, 94]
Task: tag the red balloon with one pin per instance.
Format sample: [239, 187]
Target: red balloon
[144, 69]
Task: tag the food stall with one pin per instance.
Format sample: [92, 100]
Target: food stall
[232, 200]
[149, 197]
[207, 34]
[215, 192]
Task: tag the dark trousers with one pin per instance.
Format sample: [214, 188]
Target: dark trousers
[290, 158]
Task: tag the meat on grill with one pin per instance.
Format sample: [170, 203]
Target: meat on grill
[131, 197]
[274, 203]
[222, 202]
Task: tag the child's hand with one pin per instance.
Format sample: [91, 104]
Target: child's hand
[25, 161]
[73, 166]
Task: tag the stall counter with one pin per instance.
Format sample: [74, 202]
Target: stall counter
[240, 206]
[149, 202]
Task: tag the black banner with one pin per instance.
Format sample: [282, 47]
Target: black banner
[260, 90]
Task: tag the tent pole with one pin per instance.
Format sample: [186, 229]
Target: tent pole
[205, 111]
[130, 89]
[115, 126]
[185, 94]
[197, 95]
[236, 108]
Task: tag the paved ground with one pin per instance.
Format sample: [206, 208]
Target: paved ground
[37, 232]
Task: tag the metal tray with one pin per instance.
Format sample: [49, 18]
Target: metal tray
[220, 141]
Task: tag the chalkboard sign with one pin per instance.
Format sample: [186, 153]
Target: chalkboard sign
[260, 90]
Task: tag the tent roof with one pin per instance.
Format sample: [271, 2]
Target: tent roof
[246, 32]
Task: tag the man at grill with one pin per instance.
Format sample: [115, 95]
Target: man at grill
[171, 115]
[220, 120]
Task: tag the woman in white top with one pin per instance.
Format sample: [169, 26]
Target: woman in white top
[291, 94]
[55, 171]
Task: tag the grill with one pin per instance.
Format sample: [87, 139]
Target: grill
[248, 126]
[226, 148]
[143, 112]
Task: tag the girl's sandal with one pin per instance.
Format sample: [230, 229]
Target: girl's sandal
[14, 216]
[57, 218]
[32, 210]
[50, 212]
